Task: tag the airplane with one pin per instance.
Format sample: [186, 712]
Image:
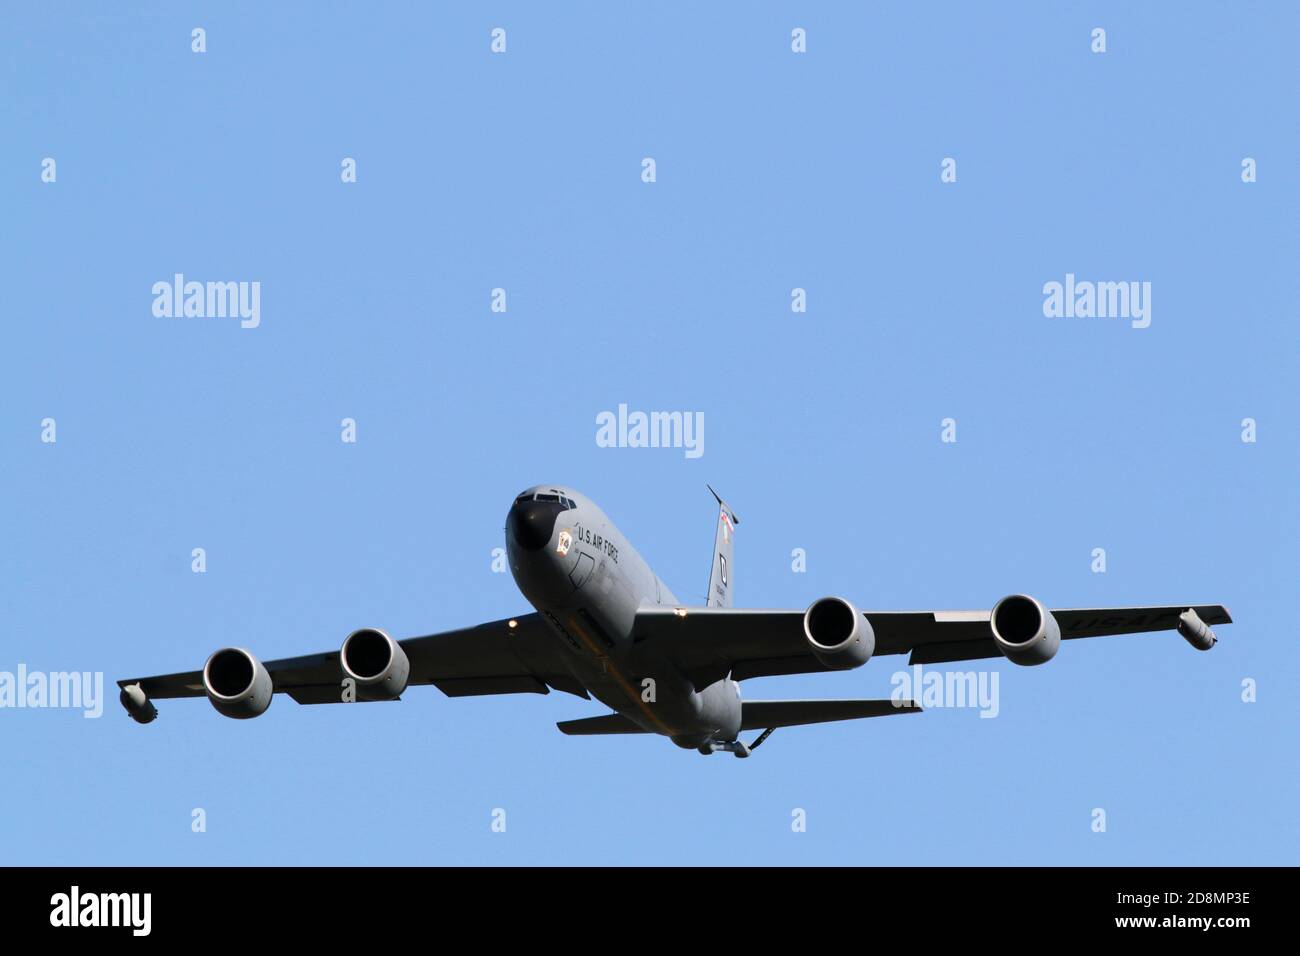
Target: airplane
[606, 626]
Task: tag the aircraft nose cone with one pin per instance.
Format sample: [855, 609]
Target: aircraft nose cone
[531, 523]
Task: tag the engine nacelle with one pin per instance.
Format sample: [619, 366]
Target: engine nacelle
[1025, 632]
[376, 662]
[237, 683]
[838, 635]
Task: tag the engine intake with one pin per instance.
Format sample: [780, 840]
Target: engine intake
[838, 635]
[376, 662]
[237, 683]
[1025, 632]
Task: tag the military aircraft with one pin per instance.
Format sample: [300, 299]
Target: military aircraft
[606, 626]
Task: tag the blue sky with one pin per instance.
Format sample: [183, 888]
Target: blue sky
[522, 171]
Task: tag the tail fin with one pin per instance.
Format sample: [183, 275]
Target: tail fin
[719, 593]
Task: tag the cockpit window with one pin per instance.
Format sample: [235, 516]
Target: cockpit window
[564, 500]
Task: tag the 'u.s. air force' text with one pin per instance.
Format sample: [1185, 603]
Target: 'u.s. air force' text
[587, 536]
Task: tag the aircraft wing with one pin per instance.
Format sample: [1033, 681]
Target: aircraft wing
[491, 658]
[710, 643]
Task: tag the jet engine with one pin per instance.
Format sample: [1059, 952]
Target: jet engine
[237, 683]
[1024, 631]
[376, 662]
[838, 635]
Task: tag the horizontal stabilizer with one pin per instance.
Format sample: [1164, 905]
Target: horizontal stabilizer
[608, 724]
[761, 714]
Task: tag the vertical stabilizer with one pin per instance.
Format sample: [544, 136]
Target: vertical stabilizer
[719, 593]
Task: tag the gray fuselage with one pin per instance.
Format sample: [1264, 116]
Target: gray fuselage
[587, 581]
